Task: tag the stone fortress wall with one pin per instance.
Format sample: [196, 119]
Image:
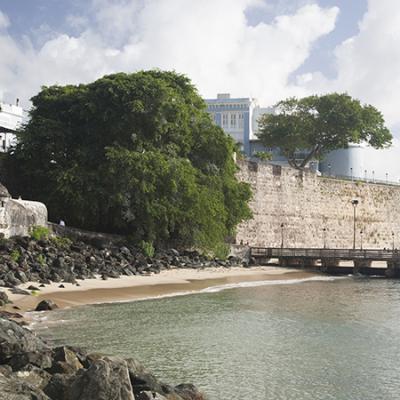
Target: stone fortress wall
[306, 204]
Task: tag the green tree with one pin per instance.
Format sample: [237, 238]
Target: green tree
[316, 125]
[134, 154]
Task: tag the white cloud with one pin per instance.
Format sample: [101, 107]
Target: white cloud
[368, 64]
[4, 21]
[211, 41]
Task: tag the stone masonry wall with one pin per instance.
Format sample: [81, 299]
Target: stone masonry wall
[306, 204]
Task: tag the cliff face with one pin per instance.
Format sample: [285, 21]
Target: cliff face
[18, 216]
[317, 210]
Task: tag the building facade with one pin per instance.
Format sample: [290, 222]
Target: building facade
[11, 118]
[238, 118]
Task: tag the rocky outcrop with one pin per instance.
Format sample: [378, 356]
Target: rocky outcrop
[60, 260]
[31, 370]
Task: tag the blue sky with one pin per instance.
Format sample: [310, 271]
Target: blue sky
[269, 49]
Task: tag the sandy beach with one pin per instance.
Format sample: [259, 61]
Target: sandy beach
[126, 288]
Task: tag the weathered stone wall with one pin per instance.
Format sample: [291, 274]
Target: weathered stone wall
[18, 216]
[306, 204]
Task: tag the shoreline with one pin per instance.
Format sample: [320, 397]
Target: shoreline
[173, 282]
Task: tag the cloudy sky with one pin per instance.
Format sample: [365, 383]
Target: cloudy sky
[268, 49]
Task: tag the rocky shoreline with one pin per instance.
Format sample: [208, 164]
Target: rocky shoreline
[58, 259]
[31, 369]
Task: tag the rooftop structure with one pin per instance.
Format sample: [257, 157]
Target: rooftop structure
[11, 117]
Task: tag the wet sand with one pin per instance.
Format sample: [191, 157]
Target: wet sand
[129, 288]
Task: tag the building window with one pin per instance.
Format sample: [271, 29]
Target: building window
[224, 120]
[240, 120]
[233, 121]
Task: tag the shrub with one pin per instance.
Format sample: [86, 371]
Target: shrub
[61, 242]
[39, 232]
[147, 248]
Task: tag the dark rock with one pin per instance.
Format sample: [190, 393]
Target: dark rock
[57, 387]
[107, 378]
[17, 340]
[187, 391]
[143, 380]
[3, 297]
[61, 286]
[21, 276]
[147, 395]
[65, 361]
[16, 290]
[8, 315]
[31, 287]
[46, 305]
[41, 359]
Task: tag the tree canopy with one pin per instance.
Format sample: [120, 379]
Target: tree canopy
[131, 153]
[316, 125]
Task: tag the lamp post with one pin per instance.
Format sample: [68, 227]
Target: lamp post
[329, 169]
[354, 202]
[373, 176]
[365, 175]
[324, 233]
[393, 241]
[351, 173]
[361, 238]
[282, 225]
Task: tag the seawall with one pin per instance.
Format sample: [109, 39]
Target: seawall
[306, 204]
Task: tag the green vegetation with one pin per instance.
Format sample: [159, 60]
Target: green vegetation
[316, 125]
[39, 232]
[132, 154]
[41, 259]
[263, 155]
[147, 248]
[15, 255]
[61, 242]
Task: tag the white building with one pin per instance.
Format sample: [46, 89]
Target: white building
[362, 162]
[237, 117]
[11, 117]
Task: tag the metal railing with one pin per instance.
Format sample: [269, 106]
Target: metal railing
[356, 179]
[343, 254]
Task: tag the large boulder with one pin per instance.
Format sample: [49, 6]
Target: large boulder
[106, 379]
[65, 361]
[16, 340]
[46, 305]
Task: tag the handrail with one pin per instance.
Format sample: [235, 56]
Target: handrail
[369, 254]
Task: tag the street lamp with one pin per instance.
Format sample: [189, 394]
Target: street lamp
[393, 241]
[282, 225]
[351, 173]
[354, 202]
[373, 176]
[324, 233]
[329, 169]
[361, 237]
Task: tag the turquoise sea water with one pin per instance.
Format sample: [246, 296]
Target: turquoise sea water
[316, 340]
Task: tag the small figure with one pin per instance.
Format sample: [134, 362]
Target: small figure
[62, 223]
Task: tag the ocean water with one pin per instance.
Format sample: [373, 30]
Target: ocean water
[300, 340]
